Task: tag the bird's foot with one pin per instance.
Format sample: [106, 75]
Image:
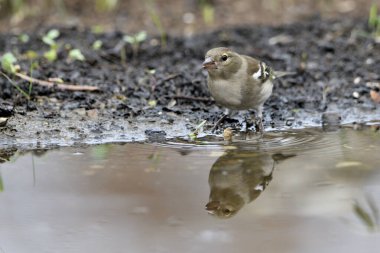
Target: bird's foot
[221, 120]
[254, 124]
[259, 127]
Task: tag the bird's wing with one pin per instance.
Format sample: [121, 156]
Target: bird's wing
[258, 69]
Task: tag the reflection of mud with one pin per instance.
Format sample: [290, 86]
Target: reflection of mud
[6, 154]
[237, 178]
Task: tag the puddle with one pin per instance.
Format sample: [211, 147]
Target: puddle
[297, 191]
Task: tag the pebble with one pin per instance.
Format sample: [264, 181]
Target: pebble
[357, 80]
[3, 122]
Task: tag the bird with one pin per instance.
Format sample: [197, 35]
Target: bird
[239, 82]
[237, 178]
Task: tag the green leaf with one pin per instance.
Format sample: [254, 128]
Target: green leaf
[105, 5]
[50, 37]
[129, 39]
[141, 36]
[372, 20]
[193, 135]
[97, 29]
[8, 63]
[53, 34]
[152, 103]
[364, 216]
[76, 54]
[31, 55]
[24, 38]
[48, 41]
[51, 55]
[208, 13]
[97, 45]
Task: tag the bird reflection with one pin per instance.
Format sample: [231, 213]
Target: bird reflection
[237, 178]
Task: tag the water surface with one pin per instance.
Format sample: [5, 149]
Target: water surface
[301, 191]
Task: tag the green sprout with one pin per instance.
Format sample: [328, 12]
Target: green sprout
[8, 63]
[49, 39]
[31, 55]
[51, 55]
[374, 20]
[24, 93]
[152, 9]
[76, 54]
[97, 29]
[14, 5]
[369, 216]
[24, 38]
[135, 41]
[105, 5]
[152, 103]
[97, 45]
[193, 135]
[208, 12]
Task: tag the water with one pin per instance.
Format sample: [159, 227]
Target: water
[298, 191]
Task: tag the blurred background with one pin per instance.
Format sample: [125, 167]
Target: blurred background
[182, 17]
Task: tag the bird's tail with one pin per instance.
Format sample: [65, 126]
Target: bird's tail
[278, 74]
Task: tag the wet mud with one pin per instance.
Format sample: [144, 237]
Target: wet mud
[162, 88]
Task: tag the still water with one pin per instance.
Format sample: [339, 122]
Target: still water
[298, 191]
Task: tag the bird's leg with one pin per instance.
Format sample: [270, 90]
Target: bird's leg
[259, 127]
[221, 119]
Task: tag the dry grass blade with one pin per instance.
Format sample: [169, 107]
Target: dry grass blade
[61, 86]
[203, 99]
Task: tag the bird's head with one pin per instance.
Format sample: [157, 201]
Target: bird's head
[224, 203]
[221, 62]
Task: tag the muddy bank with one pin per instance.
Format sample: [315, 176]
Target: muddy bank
[163, 88]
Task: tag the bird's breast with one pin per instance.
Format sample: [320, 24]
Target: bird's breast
[226, 93]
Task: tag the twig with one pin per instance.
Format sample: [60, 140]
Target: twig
[170, 77]
[193, 98]
[62, 86]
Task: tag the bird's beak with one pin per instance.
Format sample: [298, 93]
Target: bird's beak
[212, 207]
[209, 63]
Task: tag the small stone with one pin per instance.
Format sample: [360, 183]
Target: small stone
[369, 61]
[93, 114]
[356, 94]
[172, 103]
[357, 80]
[3, 122]
[80, 111]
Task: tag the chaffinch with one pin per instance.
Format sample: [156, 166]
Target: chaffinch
[238, 82]
[236, 179]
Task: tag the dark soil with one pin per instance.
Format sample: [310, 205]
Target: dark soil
[333, 61]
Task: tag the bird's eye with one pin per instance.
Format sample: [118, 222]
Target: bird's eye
[224, 57]
[227, 211]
